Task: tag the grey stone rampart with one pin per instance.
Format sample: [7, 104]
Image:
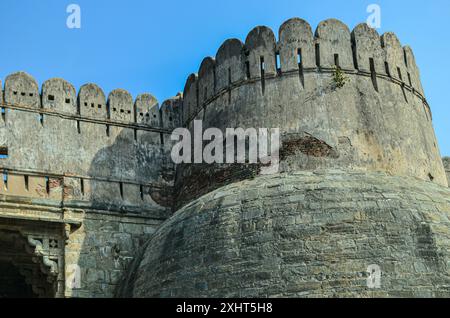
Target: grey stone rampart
[60, 132]
[305, 234]
[378, 120]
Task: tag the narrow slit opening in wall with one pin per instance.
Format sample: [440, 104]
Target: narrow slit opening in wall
[336, 61]
[355, 59]
[409, 79]
[386, 66]
[78, 127]
[41, 119]
[403, 85]
[247, 69]
[4, 114]
[229, 85]
[373, 74]
[161, 136]
[26, 181]
[4, 153]
[82, 186]
[278, 63]
[404, 94]
[141, 191]
[121, 189]
[214, 80]
[263, 70]
[197, 94]
[235, 147]
[300, 67]
[135, 135]
[399, 73]
[107, 131]
[5, 179]
[318, 55]
[47, 185]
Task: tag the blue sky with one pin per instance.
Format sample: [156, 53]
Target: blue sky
[152, 46]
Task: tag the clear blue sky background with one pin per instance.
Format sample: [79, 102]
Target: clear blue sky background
[152, 46]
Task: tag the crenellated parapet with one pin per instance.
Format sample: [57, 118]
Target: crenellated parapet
[378, 119]
[59, 97]
[22, 89]
[299, 50]
[60, 131]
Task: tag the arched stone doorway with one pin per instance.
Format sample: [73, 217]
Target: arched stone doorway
[25, 272]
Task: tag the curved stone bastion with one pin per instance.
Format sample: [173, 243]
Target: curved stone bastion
[376, 119]
[305, 234]
[92, 203]
[360, 206]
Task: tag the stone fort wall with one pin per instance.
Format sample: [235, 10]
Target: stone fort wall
[303, 234]
[95, 170]
[379, 120]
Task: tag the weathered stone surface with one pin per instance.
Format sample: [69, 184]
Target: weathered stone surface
[120, 106]
[446, 161]
[302, 235]
[357, 123]
[60, 96]
[87, 181]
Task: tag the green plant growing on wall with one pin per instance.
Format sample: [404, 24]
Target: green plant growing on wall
[339, 77]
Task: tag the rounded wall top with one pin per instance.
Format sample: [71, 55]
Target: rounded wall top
[296, 45]
[59, 95]
[170, 110]
[147, 110]
[92, 101]
[120, 106]
[229, 49]
[334, 40]
[207, 66]
[367, 46]
[332, 28]
[260, 36]
[22, 89]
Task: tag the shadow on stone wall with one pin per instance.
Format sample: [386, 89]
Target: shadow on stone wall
[124, 204]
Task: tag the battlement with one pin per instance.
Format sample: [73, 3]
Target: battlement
[298, 51]
[58, 97]
[86, 177]
[85, 134]
[376, 118]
